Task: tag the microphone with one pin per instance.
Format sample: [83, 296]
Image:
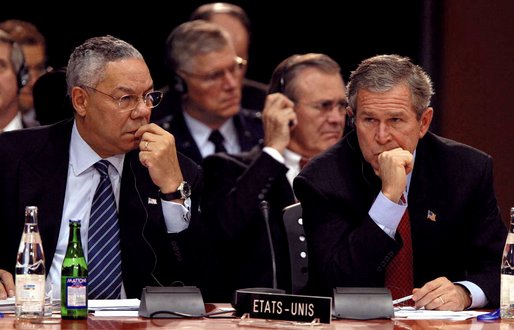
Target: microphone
[264, 207]
[242, 296]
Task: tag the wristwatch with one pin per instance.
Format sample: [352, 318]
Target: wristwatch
[183, 192]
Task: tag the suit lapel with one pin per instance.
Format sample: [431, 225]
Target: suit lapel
[247, 137]
[184, 140]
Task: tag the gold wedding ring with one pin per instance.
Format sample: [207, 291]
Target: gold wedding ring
[146, 145]
[441, 298]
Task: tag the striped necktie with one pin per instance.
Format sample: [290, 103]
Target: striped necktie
[104, 253]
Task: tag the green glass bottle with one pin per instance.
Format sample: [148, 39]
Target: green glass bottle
[74, 277]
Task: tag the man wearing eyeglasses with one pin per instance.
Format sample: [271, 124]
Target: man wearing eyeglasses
[304, 114]
[208, 75]
[110, 141]
[237, 23]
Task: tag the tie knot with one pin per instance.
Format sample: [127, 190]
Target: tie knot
[102, 166]
[303, 162]
[217, 139]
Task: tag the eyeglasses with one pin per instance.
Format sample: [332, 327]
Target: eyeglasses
[328, 105]
[217, 76]
[130, 101]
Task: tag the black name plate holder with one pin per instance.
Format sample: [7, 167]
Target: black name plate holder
[286, 307]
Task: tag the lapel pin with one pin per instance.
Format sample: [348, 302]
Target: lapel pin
[152, 200]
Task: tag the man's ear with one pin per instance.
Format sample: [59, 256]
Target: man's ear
[79, 100]
[426, 119]
[350, 118]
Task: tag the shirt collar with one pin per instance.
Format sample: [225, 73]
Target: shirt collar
[82, 156]
[201, 132]
[15, 123]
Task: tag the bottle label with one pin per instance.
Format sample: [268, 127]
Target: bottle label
[507, 296]
[76, 292]
[30, 292]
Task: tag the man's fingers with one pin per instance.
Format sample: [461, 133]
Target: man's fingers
[7, 288]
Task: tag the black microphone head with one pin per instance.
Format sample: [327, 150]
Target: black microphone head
[264, 205]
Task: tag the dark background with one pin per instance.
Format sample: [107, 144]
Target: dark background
[361, 29]
[466, 46]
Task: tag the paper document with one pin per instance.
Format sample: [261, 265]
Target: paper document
[111, 313]
[422, 314]
[113, 304]
[7, 305]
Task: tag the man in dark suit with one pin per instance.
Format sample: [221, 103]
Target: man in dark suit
[355, 195]
[207, 75]
[53, 168]
[303, 115]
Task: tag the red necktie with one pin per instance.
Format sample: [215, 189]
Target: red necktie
[303, 162]
[398, 277]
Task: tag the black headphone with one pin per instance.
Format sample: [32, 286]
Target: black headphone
[281, 72]
[177, 83]
[18, 60]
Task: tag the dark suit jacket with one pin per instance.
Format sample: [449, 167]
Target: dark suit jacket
[248, 124]
[234, 187]
[454, 181]
[33, 171]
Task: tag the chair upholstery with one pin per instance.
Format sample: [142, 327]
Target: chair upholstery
[51, 102]
[292, 216]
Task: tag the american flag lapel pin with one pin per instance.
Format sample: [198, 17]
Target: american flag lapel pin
[152, 200]
[431, 216]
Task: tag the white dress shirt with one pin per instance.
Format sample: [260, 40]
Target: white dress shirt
[388, 214]
[81, 185]
[14, 124]
[201, 133]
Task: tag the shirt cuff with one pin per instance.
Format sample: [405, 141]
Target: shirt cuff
[387, 214]
[478, 298]
[176, 215]
[275, 154]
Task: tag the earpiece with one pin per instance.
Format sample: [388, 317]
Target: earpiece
[179, 85]
[288, 66]
[281, 73]
[22, 76]
[18, 61]
[350, 123]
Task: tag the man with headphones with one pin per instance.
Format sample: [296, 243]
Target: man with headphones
[33, 45]
[235, 20]
[208, 75]
[304, 114]
[13, 76]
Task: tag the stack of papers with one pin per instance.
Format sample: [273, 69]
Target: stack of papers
[7, 305]
[113, 304]
[423, 314]
[114, 307]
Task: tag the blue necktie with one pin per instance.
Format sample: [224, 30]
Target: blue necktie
[104, 253]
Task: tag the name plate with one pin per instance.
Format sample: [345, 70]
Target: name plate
[286, 307]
